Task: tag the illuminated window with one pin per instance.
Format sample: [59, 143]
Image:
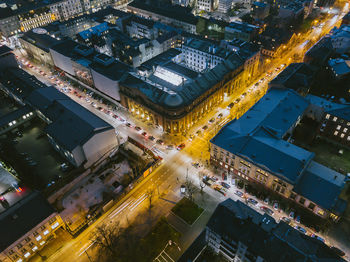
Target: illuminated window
[338, 127]
[336, 133]
[345, 130]
[38, 238]
[335, 118]
[26, 254]
[55, 225]
[342, 135]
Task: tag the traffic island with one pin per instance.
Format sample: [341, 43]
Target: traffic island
[187, 210]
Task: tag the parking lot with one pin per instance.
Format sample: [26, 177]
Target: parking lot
[41, 158]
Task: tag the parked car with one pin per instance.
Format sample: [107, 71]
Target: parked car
[128, 124]
[291, 215]
[205, 127]
[137, 128]
[252, 201]
[275, 206]
[212, 120]
[161, 142]
[195, 164]
[300, 229]
[318, 237]
[191, 137]
[144, 134]
[297, 219]
[338, 251]
[267, 210]
[239, 193]
[115, 116]
[225, 185]
[170, 147]
[180, 147]
[230, 106]
[152, 138]
[19, 134]
[220, 189]
[219, 116]
[286, 220]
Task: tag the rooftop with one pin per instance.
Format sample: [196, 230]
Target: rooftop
[339, 66]
[207, 47]
[40, 39]
[327, 185]
[243, 27]
[22, 217]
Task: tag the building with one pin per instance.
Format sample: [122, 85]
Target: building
[179, 17]
[319, 53]
[242, 31]
[20, 16]
[175, 97]
[334, 118]
[339, 67]
[346, 19]
[291, 11]
[224, 6]
[79, 135]
[296, 76]
[207, 5]
[255, 148]
[26, 227]
[260, 10]
[239, 233]
[250, 53]
[37, 45]
[91, 68]
[340, 38]
[200, 55]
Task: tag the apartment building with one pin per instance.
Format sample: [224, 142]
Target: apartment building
[224, 6]
[207, 5]
[256, 148]
[26, 227]
[243, 31]
[201, 55]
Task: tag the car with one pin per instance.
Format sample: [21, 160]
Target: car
[144, 134]
[230, 105]
[205, 127]
[266, 201]
[275, 206]
[32, 163]
[225, 185]
[191, 137]
[220, 189]
[19, 134]
[64, 167]
[137, 128]
[219, 115]
[213, 178]
[115, 116]
[283, 65]
[239, 193]
[267, 210]
[338, 251]
[15, 141]
[170, 147]
[301, 229]
[198, 132]
[121, 119]
[212, 120]
[100, 108]
[297, 219]
[252, 201]
[256, 84]
[181, 146]
[207, 181]
[160, 142]
[286, 220]
[318, 237]
[195, 164]
[128, 124]
[291, 215]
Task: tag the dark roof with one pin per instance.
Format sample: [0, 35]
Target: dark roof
[321, 185]
[22, 217]
[72, 125]
[4, 49]
[14, 115]
[233, 220]
[114, 71]
[42, 41]
[20, 82]
[343, 113]
[65, 47]
[177, 12]
[180, 69]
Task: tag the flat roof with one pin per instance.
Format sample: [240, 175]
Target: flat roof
[22, 217]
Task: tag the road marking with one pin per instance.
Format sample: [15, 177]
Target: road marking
[85, 248]
[132, 207]
[121, 208]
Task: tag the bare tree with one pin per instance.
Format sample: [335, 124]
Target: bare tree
[105, 237]
[202, 185]
[190, 188]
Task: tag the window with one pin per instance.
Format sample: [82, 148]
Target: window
[302, 200]
[311, 206]
[345, 130]
[348, 138]
[292, 196]
[335, 118]
[338, 127]
[27, 239]
[342, 135]
[336, 133]
[19, 246]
